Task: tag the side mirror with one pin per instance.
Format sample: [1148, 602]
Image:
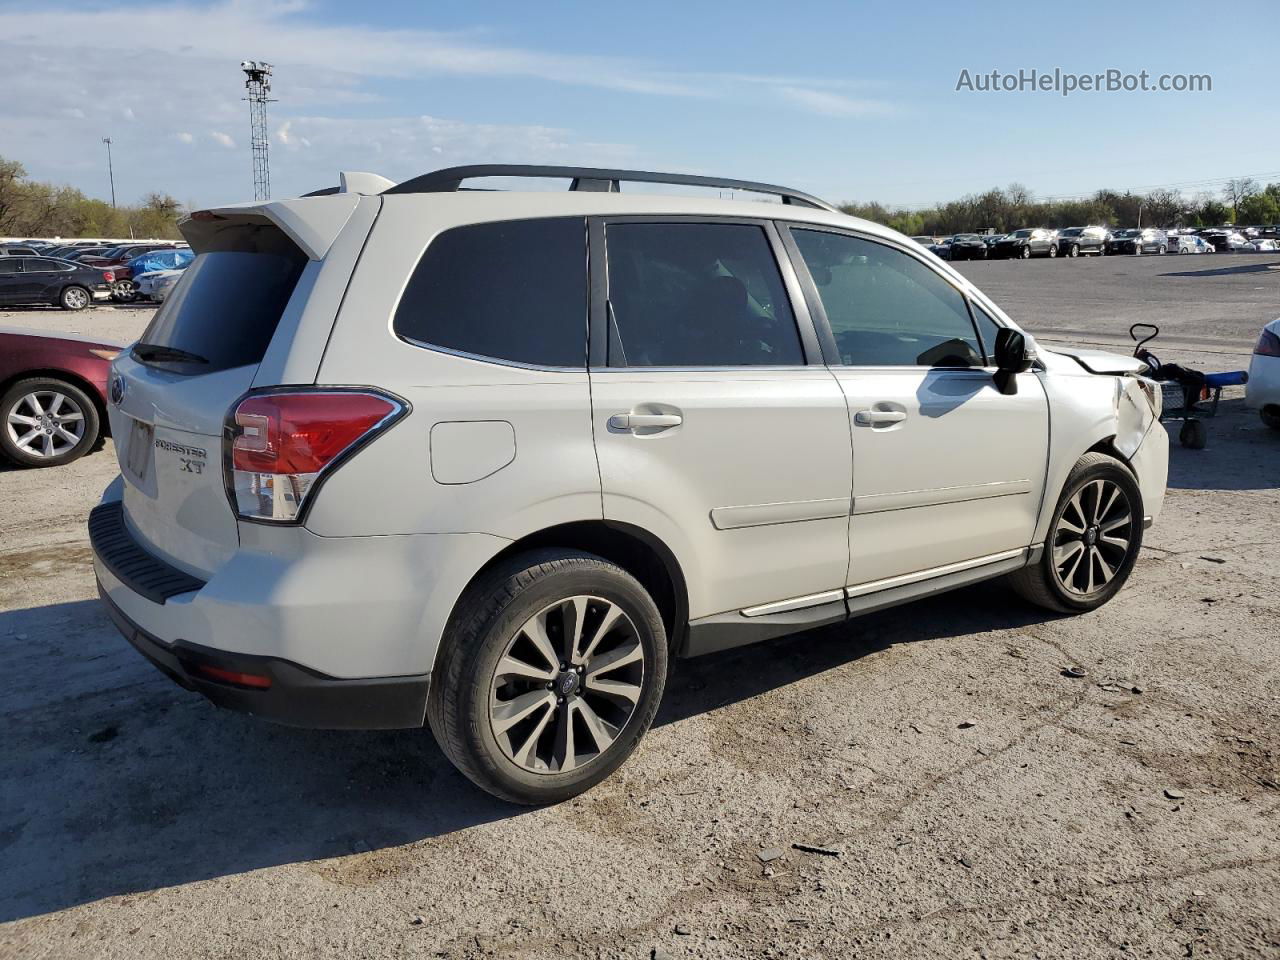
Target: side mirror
[1011, 358]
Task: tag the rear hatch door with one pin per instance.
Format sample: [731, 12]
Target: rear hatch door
[171, 391]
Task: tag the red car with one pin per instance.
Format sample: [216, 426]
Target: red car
[123, 254]
[53, 396]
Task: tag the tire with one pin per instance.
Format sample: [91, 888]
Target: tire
[124, 291]
[1270, 416]
[1162, 250]
[1073, 251]
[1137, 249]
[493, 625]
[64, 428]
[1025, 253]
[1193, 435]
[1043, 583]
[1053, 251]
[74, 298]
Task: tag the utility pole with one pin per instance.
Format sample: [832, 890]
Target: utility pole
[258, 83]
[111, 174]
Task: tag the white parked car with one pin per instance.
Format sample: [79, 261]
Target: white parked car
[1189, 243]
[1263, 390]
[1264, 246]
[487, 461]
[157, 284]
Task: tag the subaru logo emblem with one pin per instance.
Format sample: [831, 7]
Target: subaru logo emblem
[117, 390]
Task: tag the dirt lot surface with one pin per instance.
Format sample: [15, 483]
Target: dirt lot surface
[924, 782]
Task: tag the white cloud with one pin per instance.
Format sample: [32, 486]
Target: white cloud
[831, 104]
[281, 34]
[177, 66]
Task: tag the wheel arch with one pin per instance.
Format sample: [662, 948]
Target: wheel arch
[639, 552]
[54, 373]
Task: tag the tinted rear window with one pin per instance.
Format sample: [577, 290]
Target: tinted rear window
[231, 298]
[514, 290]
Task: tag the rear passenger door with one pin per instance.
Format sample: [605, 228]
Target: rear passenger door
[44, 278]
[717, 426]
[10, 278]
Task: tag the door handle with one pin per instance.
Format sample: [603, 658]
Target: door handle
[635, 421]
[878, 418]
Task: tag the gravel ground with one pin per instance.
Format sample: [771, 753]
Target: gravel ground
[924, 782]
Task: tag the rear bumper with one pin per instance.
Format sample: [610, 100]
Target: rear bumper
[292, 695]
[331, 618]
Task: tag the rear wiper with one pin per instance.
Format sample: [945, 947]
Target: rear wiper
[163, 354]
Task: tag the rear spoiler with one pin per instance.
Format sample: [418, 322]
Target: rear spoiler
[313, 223]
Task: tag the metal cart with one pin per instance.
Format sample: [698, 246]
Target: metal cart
[1185, 390]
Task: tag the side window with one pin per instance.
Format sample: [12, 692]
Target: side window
[8, 264]
[887, 308]
[695, 295]
[514, 290]
[42, 266]
[987, 329]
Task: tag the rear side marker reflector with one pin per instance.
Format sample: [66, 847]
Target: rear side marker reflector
[256, 680]
[281, 443]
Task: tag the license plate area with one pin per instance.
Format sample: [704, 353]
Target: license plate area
[141, 452]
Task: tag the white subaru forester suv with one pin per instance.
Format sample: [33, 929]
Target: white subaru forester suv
[395, 455]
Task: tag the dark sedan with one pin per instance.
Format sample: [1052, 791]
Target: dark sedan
[59, 283]
[968, 246]
[1026, 243]
[52, 396]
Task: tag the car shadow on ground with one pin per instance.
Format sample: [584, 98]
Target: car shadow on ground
[114, 781]
[1253, 266]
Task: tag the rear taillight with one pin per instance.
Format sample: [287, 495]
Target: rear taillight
[108, 277]
[1268, 345]
[281, 444]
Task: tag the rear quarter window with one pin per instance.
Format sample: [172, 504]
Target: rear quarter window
[512, 291]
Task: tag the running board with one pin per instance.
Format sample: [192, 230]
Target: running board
[723, 631]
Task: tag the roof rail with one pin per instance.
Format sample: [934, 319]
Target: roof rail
[593, 179]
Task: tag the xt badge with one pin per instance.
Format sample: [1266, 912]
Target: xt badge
[190, 459]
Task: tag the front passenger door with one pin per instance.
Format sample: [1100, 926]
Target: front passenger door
[946, 468]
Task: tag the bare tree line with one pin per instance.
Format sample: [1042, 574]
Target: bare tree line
[29, 208]
[1242, 201]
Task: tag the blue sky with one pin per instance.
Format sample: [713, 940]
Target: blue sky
[852, 101]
